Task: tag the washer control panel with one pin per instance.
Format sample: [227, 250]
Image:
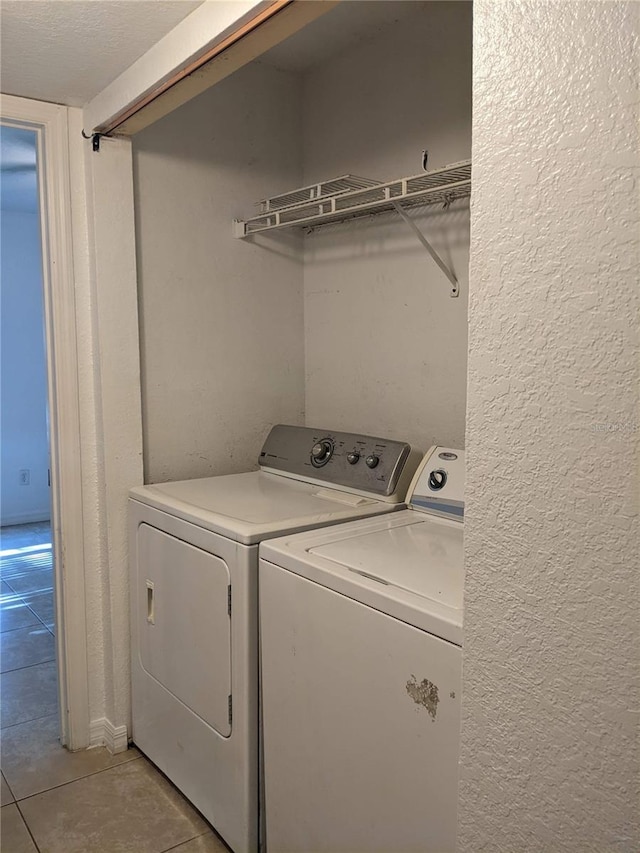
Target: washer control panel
[437, 479]
[321, 452]
[438, 486]
[379, 466]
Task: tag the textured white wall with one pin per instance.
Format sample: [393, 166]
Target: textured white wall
[549, 756]
[25, 440]
[221, 319]
[385, 344]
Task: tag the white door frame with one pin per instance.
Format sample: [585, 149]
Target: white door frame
[50, 123]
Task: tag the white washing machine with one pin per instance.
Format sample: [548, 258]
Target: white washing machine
[361, 653]
[194, 603]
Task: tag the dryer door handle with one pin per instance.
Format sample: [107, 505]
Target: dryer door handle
[151, 613]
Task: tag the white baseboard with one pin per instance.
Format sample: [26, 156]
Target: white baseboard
[102, 732]
[25, 517]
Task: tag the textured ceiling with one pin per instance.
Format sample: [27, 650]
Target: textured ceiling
[66, 51]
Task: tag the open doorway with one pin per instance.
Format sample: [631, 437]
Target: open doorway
[49, 125]
[27, 612]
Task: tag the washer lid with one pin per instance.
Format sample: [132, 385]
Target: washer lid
[422, 558]
[408, 565]
[257, 505]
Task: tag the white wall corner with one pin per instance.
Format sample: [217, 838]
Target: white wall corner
[118, 413]
[94, 521]
[102, 732]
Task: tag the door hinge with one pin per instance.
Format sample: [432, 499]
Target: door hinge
[229, 599]
[230, 709]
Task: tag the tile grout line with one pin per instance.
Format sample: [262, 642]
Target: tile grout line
[24, 570]
[6, 782]
[22, 593]
[78, 779]
[30, 665]
[22, 722]
[42, 622]
[24, 627]
[28, 828]
[193, 838]
[30, 608]
[20, 596]
[34, 612]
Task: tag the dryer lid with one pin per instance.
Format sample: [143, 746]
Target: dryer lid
[255, 506]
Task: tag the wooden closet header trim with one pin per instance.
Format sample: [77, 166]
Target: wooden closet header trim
[262, 32]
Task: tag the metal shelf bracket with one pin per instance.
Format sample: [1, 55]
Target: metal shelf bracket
[455, 288]
[348, 197]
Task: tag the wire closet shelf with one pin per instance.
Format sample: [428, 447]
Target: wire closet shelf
[348, 197]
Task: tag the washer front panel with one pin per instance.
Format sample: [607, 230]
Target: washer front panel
[361, 719]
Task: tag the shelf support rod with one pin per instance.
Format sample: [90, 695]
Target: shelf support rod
[455, 289]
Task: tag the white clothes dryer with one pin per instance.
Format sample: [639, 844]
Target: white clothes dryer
[194, 603]
[361, 654]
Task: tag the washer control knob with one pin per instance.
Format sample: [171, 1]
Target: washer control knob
[321, 453]
[372, 461]
[353, 457]
[437, 479]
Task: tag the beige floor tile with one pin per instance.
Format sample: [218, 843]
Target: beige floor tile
[33, 760]
[38, 581]
[14, 835]
[28, 694]
[14, 612]
[6, 796]
[26, 647]
[208, 843]
[130, 809]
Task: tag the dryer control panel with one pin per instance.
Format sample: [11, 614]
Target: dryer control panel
[438, 486]
[367, 464]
